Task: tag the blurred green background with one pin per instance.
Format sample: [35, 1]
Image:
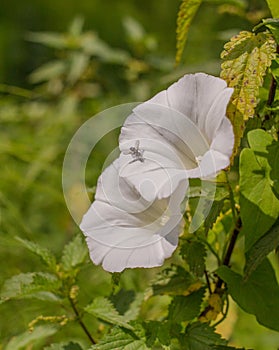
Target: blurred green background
[60, 63]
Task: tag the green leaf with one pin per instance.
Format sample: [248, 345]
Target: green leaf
[273, 160]
[64, 346]
[78, 64]
[212, 216]
[224, 347]
[186, 13]
[194, 252]
[74, 254]
[274, 7]
[37, 285]
[76, 26]
[201, 198]
[199, 336]
[42, 252]
[259, 295]
[185, 308]
[173, 282]
[22, 341]
[103, 309]
[48, 71]
[120, 338]
[127, 303]
[245, 61]
[273, 25]
[55, 40]
[259, 140]
[94, 46]
[261, 249]
[259, 205]
[160, 330]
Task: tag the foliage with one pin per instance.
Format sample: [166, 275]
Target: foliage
[65, 301]
[245, 61]
[187, 11]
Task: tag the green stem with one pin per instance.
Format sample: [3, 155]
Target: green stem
[229, 251]
[272, 91]
[225, 313]
[78, 316]
[212, 250]
[15, 90]
[231, 198]
[207, 281]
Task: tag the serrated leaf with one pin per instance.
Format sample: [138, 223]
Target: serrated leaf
[103, 309]
[212, 216]
[200, 207]
[261, 249]
[245, 61]
[186, 13]
[121, 339]
[174, 283]
[186, 308]
[259, 205]
[258, 295]
[42, 252]
[37, 285]
[23, 340]
[159, 330]
[64, 346]
[74, 254]
[194, 253]
[199, 336]
[127, 303]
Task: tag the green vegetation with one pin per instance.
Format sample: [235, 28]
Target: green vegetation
[113, 52]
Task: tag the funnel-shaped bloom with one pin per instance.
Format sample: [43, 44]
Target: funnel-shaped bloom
[181, 132]
[124, 230]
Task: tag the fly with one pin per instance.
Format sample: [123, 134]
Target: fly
[136, 153]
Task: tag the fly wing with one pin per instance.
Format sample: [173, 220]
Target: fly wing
[137, 144]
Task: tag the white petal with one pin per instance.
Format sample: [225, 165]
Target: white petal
[121, 194]
[194, 94]
[223, 140]
[119, 238]
[139, 249]
[157, 133]
[156, 182]
[211, 163]
[170, 143]
[217, 113]
[174, 126]
[182, 131]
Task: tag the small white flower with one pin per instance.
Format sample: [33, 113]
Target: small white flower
[182, 132]
[124, 230]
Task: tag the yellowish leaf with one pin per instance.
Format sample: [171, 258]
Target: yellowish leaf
[246, 58]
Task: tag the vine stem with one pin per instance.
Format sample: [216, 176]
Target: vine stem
[81, 322]
[229, 251]
[231, 198]
[272, 91]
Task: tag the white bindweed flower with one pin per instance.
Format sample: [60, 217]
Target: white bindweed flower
[124, 230]
[181, 132]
